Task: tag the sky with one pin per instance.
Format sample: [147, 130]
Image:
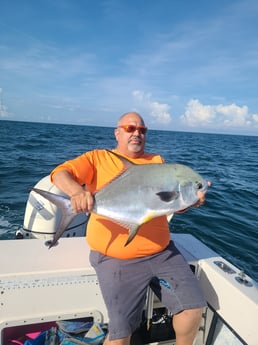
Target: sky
[184, 65]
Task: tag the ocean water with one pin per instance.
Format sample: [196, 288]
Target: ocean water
[227, 223]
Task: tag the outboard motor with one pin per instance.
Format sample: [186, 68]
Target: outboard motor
[41, 218]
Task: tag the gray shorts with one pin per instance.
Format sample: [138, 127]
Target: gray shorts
[124, 284]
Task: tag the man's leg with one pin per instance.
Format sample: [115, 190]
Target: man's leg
[178, 289]
[122, 341]
[123, 285]
[186, 325]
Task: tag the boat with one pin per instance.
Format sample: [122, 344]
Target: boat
[42, 288]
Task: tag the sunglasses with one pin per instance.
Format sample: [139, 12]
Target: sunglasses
[133, 128]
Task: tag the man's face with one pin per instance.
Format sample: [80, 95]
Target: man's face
[130, 135]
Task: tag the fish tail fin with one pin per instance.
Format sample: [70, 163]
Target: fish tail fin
[60, 201]
[51, 243]
[64, 204]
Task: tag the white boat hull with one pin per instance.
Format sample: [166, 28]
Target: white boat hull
[38, 285]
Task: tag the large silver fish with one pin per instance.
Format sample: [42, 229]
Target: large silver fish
[137, 195]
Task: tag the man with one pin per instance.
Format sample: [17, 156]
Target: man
[124, 273]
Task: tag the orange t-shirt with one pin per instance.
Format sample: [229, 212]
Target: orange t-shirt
[95, 169]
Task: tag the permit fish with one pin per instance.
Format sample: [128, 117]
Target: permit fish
[138, 194]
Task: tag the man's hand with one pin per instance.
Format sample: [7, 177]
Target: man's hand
[201, 196]
[200, 202]
[82, 201]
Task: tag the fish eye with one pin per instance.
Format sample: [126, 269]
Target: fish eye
[199, 185]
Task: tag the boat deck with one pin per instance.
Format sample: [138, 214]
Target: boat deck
[39, 286]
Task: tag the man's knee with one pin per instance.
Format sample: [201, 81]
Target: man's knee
[122, 341]
[187, 321]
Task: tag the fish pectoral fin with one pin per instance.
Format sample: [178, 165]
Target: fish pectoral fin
[168, 195]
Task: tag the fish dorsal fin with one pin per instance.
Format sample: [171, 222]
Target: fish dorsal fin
[126, 161]
[127, 165]
[167, 196]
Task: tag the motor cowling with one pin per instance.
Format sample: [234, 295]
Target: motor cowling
[41, 218]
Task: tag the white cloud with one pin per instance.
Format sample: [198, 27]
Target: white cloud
[158, 111]
[218, 116]
[4, 113]
[255, 118]
[233, 115]
[197, 114]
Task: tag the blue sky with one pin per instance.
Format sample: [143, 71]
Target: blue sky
[182, 64]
